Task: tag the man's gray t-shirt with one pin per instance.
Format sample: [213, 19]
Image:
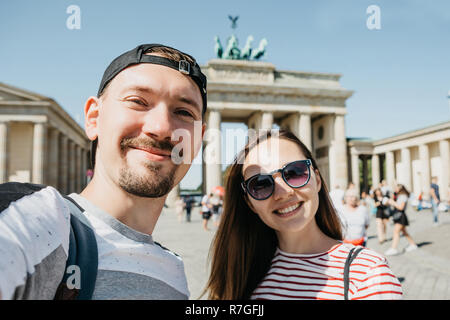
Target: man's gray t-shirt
[34, 242]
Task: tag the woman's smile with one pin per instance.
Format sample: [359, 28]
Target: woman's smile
[289, 210]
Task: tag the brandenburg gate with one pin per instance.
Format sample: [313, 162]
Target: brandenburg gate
[310, 104]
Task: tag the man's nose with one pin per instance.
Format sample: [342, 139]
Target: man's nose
[158, 122]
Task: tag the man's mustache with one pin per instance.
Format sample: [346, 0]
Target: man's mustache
[140, 142]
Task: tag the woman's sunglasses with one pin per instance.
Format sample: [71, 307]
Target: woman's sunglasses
[261, 186]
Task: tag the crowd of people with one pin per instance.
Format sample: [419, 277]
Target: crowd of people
[383, 203]
[211, 207]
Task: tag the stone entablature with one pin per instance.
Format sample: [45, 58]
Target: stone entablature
[413, 138]
[40, 142]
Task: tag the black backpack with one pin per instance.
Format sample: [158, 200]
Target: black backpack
[83, 253]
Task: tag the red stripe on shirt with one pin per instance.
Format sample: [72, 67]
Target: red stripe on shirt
[378, 293]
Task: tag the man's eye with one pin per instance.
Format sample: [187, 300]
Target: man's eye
[137, 101]
[184, 113]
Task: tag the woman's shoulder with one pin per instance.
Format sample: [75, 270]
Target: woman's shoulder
[366, 257]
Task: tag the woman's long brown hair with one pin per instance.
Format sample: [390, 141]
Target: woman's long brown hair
[243, 247]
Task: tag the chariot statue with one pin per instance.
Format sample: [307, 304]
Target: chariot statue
[232, 50]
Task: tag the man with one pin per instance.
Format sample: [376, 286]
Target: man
[188, 200]
[435, 199]
[146, 94]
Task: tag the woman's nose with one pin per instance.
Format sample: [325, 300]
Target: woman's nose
[282, 190]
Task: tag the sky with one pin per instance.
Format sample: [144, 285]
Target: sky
[400, 72]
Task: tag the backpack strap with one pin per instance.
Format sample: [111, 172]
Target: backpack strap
[351, 256]
[83, 254]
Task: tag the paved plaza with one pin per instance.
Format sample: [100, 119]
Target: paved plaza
[424, 273]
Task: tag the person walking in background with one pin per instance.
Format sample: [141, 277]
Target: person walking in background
[367, 201]
[280, 236]
[188, 205]
[179, 208]
[382, 214]
[216, 203]
[385, 189]
[206, 210]
[419, 201]
[400, 221]
[355, 219]
[435, 200]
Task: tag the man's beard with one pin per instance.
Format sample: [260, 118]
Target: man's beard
[152, 185]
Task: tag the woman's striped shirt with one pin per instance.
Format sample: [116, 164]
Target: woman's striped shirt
[320, 276]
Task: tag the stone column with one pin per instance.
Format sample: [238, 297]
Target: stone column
[424, 156]
[300, 125]
[261, 120]
[212, 157]
[305, 130]
[63, 176]
[355, 169]
[365, 174]
[4, 154]
[338, 154]
[266, 120]
[375, 170]
[53, 158]
[406, 168]
[390, 168]
[72, 167]
[445, 160]
[39, 143]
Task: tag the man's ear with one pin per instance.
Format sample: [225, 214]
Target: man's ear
[203, 129]
[91, 113]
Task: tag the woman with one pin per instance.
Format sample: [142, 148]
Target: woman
[400, 221]
[216, 202]
[280, 237]
[206, 210]
[382, 214]
[355, 218]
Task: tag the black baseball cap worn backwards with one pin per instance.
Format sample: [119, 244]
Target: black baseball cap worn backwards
[137, 56]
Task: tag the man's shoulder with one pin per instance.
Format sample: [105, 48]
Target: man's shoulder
[35, 224]
[33, 206]
[15, 191]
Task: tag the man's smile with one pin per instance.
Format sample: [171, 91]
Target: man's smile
[153, 154]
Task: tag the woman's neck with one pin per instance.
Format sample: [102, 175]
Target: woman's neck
[310, 240]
